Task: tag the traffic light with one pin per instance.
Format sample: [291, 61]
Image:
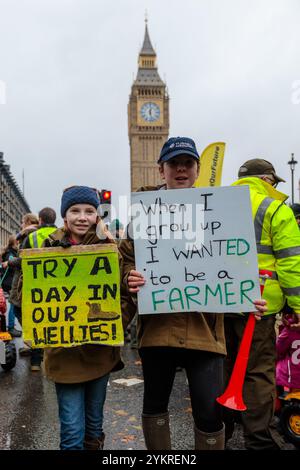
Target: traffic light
[105, 196]
[105, 201]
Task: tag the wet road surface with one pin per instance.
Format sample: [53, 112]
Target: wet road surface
[29, 416]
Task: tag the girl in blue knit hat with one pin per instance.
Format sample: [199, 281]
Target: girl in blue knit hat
[195, 341]
[81, 373]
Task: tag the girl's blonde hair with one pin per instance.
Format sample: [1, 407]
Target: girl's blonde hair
[30, 219]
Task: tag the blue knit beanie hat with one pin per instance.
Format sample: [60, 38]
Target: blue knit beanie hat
[78, 195]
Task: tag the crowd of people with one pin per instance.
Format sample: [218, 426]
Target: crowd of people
[203, 344]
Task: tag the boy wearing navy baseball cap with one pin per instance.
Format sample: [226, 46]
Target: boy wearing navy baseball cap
[179, 163]
[194, 341]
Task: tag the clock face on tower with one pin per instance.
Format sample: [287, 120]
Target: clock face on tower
[150, 112]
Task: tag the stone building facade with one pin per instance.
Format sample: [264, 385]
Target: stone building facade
[13, 205]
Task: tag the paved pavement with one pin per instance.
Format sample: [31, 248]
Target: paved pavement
[29, 410]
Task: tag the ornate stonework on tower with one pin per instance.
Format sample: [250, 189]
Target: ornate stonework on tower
[148, 118]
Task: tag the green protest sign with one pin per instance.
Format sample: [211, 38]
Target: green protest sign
[71, 296]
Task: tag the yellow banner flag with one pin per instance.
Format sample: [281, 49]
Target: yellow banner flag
[71, 296]
[211, 163]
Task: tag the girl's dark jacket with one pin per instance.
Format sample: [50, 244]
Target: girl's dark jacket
[8, 274]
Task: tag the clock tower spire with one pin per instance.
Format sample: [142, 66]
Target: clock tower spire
[148, 118]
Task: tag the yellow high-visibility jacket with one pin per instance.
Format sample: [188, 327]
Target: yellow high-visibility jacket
[37, 238]
[278, 244]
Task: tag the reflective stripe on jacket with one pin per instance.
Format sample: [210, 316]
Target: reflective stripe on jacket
[37, 238]
[278, 244]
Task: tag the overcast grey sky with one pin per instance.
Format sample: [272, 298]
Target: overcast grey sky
[232, 69]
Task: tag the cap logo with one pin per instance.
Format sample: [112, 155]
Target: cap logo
[182, 145]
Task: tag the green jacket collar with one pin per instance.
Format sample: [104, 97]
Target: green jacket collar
[261, 187]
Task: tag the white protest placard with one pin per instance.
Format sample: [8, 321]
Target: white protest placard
[196, 249]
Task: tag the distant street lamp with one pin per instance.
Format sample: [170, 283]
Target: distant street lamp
[292, 164]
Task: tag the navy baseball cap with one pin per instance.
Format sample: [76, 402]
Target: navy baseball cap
[178, 146]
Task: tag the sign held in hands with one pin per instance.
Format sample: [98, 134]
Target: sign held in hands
[71, 296]
[196, 249]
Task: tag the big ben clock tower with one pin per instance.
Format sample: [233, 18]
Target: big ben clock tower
[148, 118]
